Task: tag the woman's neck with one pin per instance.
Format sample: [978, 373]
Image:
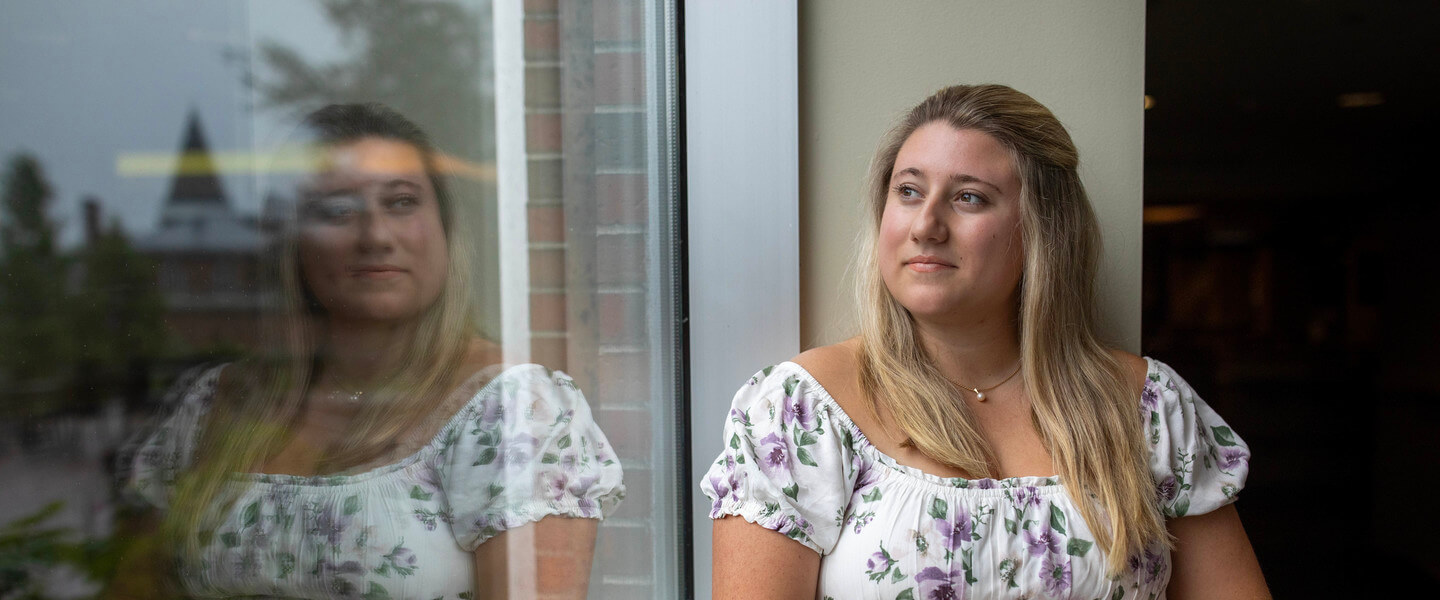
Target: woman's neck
[362, 353]
[972, 354]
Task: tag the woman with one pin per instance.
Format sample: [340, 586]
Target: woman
[977, 439]
[377, 449]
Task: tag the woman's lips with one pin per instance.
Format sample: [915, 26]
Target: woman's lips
[927, 264]
[377, 272]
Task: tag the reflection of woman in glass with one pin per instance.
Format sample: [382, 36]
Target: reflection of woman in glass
[977, 439]
[377, 450]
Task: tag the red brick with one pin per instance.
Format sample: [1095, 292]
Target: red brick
[625, 550]
[547, 312]
[549, 352]
[638, 492]
[542, 132]
[620, 78]
[628, 431]
[546, 223]
[624, 379]
[619, 20]
[620, 199]
[622, 317]
[541, 6]
[620, 259]
[542, 38]
[547, 268]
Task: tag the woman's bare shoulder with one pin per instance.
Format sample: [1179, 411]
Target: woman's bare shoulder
[837, 368]
[1136, 367]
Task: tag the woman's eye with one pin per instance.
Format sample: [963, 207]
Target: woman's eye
[906, 191]
[403, 203]
[335, 209]
[971, 198]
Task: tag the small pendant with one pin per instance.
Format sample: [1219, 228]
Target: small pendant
[979, 395]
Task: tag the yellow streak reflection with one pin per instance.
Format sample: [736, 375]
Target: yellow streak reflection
[168, 164]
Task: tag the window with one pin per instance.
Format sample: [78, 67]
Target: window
[152, 176]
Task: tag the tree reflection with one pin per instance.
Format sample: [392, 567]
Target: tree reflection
[422, 58]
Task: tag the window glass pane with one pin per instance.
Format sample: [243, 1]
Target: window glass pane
[274, 272]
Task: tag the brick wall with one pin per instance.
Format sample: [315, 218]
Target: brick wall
[587, 216]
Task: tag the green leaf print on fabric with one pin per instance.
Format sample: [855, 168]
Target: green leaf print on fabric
[792, 490]
[908, 594]
[550, 458]
[939, 508]
[879, 565]
[352, 505]
[1182, 506]
[872, 496]
[1057, 519]
[1224, 436]
[805, 459]
[1119, 593]
[1009, 568]
[1078, 547]
[486, 457]
[770, 509]
[251, 514]
[286, 562]
[734, 441]
[230, 539]
[790, 383]
[766, 371]
[376, 592]
[419, 494]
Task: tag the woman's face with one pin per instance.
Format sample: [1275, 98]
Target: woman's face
[949, 244]
[371, 244]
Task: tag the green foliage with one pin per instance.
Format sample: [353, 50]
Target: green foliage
[118, 306]
[29, 548]
[421, 58]
[34, 331]
[86, 316]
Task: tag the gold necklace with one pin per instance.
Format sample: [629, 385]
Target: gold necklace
[980, 392]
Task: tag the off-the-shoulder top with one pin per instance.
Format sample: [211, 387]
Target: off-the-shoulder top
[795, 463]
[522, 448]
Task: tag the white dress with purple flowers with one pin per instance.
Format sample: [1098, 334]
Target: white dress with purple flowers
[521, 448]
[795, 463]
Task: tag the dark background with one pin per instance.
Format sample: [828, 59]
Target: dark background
[1290, 270]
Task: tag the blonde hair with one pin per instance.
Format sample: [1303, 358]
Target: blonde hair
[259, 398]
[1083, 404]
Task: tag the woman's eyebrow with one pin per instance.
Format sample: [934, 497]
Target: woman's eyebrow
[963, 178]
[400, 182]
[955, 177]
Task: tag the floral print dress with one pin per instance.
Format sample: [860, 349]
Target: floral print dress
[795, 463]
[522, 448]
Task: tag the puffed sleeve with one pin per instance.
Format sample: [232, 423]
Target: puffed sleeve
[788, 463]
[1197, 462]
[526, 448]
[149, 465]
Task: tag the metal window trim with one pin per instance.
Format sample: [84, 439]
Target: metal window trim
[741, 68]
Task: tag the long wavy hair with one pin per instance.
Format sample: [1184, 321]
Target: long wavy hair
[260, 397]
[1082, 402]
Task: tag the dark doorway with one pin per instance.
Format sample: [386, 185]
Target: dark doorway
[1290, 269]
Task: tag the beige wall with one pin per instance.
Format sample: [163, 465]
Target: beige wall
[862, 63]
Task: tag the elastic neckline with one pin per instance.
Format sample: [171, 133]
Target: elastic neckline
[867, 447]
[342, 479]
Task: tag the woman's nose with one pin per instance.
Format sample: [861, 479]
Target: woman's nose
[375, 233]
[928, 224]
